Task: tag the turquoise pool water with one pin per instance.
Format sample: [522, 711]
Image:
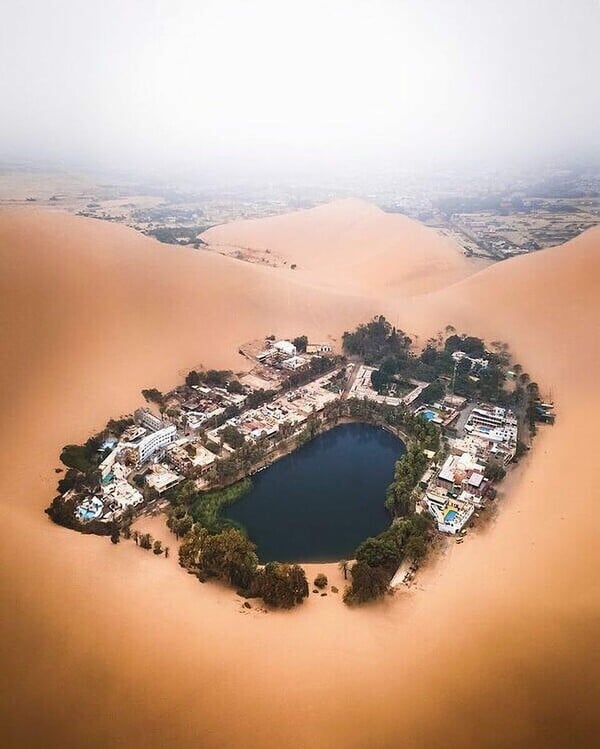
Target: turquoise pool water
[429, 415]
[88, 514]
[450, 515]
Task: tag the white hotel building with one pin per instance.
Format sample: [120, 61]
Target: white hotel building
[155, 441]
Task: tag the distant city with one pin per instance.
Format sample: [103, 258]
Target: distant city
[489, 214]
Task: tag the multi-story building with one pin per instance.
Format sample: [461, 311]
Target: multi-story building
[496, 426]
[162, 479]
[462, 473]
[147, 419]
[450, 515]
[285, 347]
[179, 457]
[155, 441]
[491, 417]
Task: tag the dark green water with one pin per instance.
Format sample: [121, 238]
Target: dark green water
[321, 501]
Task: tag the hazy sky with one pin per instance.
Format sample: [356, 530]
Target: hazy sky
[271, 82]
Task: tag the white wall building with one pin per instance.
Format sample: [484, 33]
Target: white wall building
[162, 479]
[495, 425]
[294, 362]
[285, 347]
[156, 441]
[120, 494]
[451, 515]
[107, 464]
[147, 419]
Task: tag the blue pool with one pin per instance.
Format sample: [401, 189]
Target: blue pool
[429, 415]
[88, 514]
[450, 515]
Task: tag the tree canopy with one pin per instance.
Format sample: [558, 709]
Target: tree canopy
[281, 585]
[153, 395]
[233, 436]
[229, 556]
[471, 345]
[368, 583]
[378, 558]
[300, 342]
[374, 340]
[83, 458]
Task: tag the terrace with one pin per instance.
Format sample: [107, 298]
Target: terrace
[493, 431]
[438, 413]
[161, 478]
[462, 472]
[450, 513]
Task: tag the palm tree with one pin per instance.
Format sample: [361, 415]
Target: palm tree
[343, 565]
[135, 536]
[166, 552]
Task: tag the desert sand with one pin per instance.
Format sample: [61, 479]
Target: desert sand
[108, 646]
[349, 243]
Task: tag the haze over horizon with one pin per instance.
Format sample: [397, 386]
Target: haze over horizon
[281, 87]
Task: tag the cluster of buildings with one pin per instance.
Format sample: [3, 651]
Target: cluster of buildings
[204, 405]
[137, 446]
[151, 452]
[160, 451]
[282, 354]
[454, 490]
[477, 433]
[292, 408]
[536, 224]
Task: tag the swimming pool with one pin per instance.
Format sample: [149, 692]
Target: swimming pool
[85, 514]
[429, 415]
[450, 515]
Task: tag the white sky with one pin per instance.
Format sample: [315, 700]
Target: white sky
[270, 82]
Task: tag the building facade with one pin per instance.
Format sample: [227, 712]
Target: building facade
[154, 442]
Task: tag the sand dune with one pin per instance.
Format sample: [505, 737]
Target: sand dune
[354, 243]
[106, 646]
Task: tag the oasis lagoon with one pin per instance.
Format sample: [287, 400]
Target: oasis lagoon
[320, 501]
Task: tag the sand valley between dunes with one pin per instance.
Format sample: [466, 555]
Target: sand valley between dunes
[348, 244]
[106, 646]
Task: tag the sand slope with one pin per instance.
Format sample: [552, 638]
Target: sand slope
[107, 646]
[354, 243]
